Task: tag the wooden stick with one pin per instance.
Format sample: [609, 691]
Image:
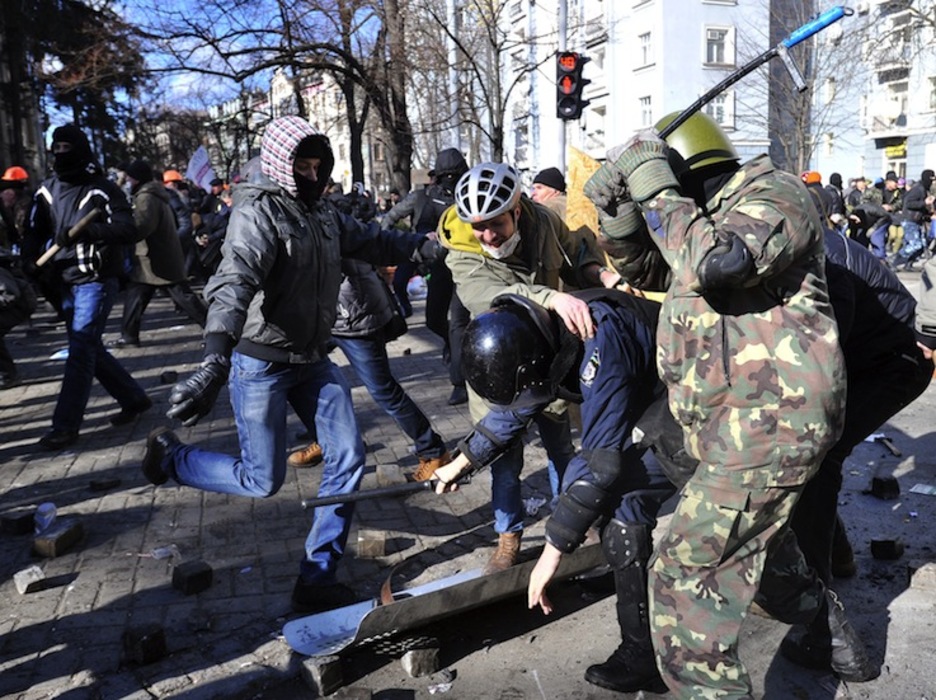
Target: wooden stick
[72, 232]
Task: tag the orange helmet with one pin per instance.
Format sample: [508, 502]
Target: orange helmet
[15, 174]
[172, 176]
[811, 177]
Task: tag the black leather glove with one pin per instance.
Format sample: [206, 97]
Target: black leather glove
[62, 240]
[428, 251]
[29, 268]
[193, 398]
[728, 265]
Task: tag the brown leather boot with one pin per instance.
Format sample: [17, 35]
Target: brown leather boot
[306, 457]
[505, 556]
[428, 465]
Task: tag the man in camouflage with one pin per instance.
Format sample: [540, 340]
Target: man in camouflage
[749, 352]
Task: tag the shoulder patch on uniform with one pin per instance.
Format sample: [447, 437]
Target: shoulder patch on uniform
[591, 369]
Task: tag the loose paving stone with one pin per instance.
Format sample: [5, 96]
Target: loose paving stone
[29, 580]
[61, 536]
[192, 577]
[322, 674]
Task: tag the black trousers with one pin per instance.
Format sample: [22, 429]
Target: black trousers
[447, 317]
[139, 296]
[874, 396]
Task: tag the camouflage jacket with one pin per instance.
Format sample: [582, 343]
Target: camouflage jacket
[755, 375]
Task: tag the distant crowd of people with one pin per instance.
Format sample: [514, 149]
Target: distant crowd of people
[893, 216]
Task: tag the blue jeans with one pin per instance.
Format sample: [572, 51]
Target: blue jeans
[321, 398]
[368, 357]
[86, 308]
[555, 432]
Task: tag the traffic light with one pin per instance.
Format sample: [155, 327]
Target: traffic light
[569, 84]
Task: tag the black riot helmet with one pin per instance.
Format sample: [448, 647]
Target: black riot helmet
[516, 354]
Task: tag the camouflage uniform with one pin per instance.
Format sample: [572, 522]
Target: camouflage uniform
[756, 379]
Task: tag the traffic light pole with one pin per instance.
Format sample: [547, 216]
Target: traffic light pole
[452, 11]
[563, 25]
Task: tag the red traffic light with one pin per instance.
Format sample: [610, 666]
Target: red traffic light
[567, 61]
[569, 84]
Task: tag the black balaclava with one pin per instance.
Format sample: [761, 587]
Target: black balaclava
[926, 177]
[79, 161]
[314, 147]
[279, 149]
[450, 165]
[703, 184]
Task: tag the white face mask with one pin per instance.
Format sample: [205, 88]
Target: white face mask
[506, 248]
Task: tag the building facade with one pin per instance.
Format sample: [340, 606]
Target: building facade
[898, 110]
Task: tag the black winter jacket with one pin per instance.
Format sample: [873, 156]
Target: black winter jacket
[103, 248]
[364, 304]
[914, 204]
[873, 309]
[275, 292]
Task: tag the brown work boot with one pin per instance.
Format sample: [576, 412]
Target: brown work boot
[428, 465]
[306, 457]
[505, 556]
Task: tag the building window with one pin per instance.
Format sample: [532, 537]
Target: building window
[721, 109]
[719, 46]
[646, 50]
[521, 141]
[932, 94]
[646, 111]
[829, 90]
[899, 97]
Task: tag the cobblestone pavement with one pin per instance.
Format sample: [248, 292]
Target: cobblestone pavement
[67, 641]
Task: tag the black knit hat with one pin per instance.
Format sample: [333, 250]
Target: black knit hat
[551, 177]
[140, 171]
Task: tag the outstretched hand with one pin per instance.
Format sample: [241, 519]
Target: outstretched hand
[542, 574]
[447, 476]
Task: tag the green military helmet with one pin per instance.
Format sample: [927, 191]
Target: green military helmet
[699, 140]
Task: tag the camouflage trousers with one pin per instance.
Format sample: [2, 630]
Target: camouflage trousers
[723, 545]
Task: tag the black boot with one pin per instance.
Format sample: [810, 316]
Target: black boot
[830, 642]
[843, 556]
[632, 666]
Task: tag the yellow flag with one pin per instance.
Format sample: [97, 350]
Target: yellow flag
[580, 212]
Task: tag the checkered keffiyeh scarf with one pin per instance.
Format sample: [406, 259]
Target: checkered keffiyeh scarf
[278, 149]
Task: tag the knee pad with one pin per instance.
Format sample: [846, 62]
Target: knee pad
[625, 544]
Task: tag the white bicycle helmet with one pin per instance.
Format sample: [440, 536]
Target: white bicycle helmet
[485, 191]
